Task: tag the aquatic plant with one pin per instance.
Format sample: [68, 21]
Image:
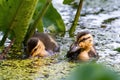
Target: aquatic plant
[19, 19]
[93, 71]
[74, 24]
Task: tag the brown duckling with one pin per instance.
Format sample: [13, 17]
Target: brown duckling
[83, 48]
[42, 44]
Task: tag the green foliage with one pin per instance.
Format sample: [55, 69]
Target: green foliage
[17, 70]
[8, 10]
[40, 26]
[15, 16]
[43, 16]
[67, 1]
[23, 18]
[93, 72]
[37, 22]
[74, 24]
[117, 49]
[51, 18]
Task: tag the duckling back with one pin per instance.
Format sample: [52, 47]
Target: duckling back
[48, 41]
[42, 44]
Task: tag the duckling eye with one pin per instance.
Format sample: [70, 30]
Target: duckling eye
[84, 39]
[35, 49]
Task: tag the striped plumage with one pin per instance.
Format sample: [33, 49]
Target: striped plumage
[83, 48]
[41, 44]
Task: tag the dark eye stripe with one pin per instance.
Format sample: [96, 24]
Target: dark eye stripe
[83, 39]
[35, 49]
[32, 53]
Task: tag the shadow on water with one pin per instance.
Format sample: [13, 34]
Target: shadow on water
[100, 17]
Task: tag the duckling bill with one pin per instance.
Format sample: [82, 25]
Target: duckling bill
[83, 48]
[41, 45]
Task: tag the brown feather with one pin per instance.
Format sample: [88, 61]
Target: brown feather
[41, 44]
[86, 48]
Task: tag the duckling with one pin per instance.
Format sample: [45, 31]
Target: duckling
[83, 48]
[41, 45]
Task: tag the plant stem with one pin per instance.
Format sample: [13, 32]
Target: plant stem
[33, 26]
[72, 29]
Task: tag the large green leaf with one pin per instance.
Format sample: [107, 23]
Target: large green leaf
[52, 18]
[15, 16]
[23, 18]
[8, 10]
[93, 71]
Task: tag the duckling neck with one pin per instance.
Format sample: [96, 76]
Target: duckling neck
[87, 49]
[84, 54]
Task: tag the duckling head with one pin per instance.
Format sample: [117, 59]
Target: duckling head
[35, 47]
[84, 40]
[82, 44]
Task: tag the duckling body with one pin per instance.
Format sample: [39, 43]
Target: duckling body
[42, 44]
[83, 48]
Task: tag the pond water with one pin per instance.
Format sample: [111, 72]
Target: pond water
[102, 19]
